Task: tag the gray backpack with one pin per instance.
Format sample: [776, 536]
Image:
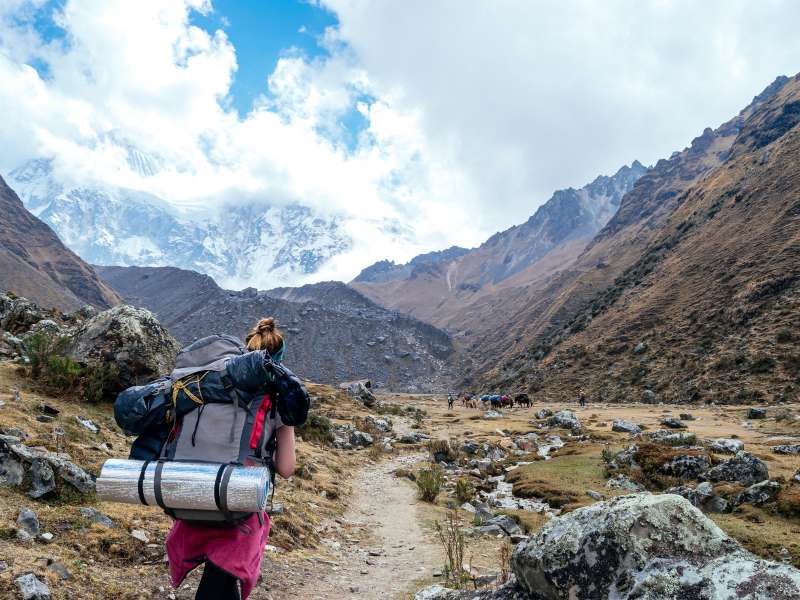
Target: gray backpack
[232, 428]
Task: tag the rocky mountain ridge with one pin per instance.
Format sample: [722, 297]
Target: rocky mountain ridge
[34, 262]
[334, 334]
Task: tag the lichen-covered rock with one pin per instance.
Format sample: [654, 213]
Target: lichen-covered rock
[758, 493]
[743, 468]
[623, 426]
[43, 480]
[673, 423]
[544, 413]
[757, 413]
[670, 438]
[703, 497]
[726, 446]
[360, 390]
[621, 482]
[645, 547]
[787, 449]
[687, 466]
[361, 439]
[18, 315]
[565, 419]
[130, 342]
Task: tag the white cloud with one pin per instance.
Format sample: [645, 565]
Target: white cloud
[474, 113]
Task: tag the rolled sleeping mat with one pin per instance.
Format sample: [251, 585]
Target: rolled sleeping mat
[185, 485]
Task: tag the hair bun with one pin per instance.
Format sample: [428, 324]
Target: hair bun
[266, 325]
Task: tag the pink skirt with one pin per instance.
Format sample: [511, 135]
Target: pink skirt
[237, 550]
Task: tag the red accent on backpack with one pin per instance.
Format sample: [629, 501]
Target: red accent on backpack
[261, 416]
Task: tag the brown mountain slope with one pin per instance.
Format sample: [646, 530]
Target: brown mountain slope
[35, 264]
[456, 287]
[699, 295]
[544, 317]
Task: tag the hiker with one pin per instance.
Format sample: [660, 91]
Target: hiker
[582, 398]
[450, 401]
[232, 553]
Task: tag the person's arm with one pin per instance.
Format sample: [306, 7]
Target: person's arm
[284, 453]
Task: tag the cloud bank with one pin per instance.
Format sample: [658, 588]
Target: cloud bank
[469, 114]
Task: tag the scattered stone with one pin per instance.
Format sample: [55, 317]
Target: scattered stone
[43, 480]
[467, 507]
[565, 419]
[687, 466]
[673, 423]
[787, 449]
[28, 521]
[649, 397]
[434, 592]
[360, 390]
[492, 414]
[797, 476]
[506, 523]
[544, 413]
[595, 495]
[640, 348]
[621, 482]
[652, 547]
[743, 468]
[470, 448]
[726, 446]
[88, 424]
[686, 417]
[624, 426]
[757, 413]
[96, 516]
[3, 566]
[492, 530]
[702, 496]
[141, 535]
[670, 438]
[31, 588]
[380, 424]
[72, 474]
[758, 494]
[47, 409]
[59, 569]
[45, 418]
[11, 471]
[361, 439]
[46, 537]
[414, 438]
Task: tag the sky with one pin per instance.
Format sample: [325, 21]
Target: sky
[420, 124]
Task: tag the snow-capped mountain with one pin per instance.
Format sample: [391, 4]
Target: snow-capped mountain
[241, 245]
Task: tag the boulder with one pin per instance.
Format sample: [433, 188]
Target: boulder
[673, 423]
[670, 438]
[687, 466]
[31, 588]
[726, 446]
[506, 523]
[28, 521]
[11, 471]
[18, 315]
[758, 493]
[128, 342]
[649, 397]
[544, 413]
[379, 424]
[470, 448]
[787, 449]
[361, 439]
[43, 480]
[703, 497]
[414, 437]
[686, 417]
[565, 419]
[72, 474]
[621, 482]
[743, 468]
[757, 413]
[360, 390]
[45, 326]
[624, 426]
[647, 547]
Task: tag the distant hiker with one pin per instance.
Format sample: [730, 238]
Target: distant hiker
[582, 398]
[450, 401]
[232, 553]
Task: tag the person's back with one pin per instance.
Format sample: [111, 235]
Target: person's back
[232, 555]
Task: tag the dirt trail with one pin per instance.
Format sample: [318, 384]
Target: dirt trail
[378, 549]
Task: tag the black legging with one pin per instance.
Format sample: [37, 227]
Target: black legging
[217, 584]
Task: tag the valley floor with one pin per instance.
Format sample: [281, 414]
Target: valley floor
[352, 528]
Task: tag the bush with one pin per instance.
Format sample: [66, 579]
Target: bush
[465, 491]
[40, 348]
[429, 482]
[316, 429]
[62, 373]
[452, 539]
[440, 450]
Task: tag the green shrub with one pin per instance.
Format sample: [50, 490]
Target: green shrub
[440, 450]
[62, 373]
[99, 382]
[40, 348]
[429, 482]
[316, 429]
[465, 491]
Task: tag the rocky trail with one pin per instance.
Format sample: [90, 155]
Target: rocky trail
[379, 548]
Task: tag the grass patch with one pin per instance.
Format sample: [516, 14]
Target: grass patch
[761, 533]
[430, 482]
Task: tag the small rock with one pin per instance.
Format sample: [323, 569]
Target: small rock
[687, 466]
[640, 348]
[31, 588]
[623, 426]
[48, 409]
[140, 535]
[492, 414]
[88, 424]
[758, 494]
[595, 495]
[726, 446]
[46, 537]
[467, 507]
[544, 413]
[565, 419]
[28, 521]
[59, 569]
[673, 423]
[45, 418]
[43, 480]
[649, 397]
[743, 468]
[621, 482]
[787, 449]
[97, 517]
[361, 439]
[506, 523]
[757, 413]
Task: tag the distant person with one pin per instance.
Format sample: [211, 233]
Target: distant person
[582, 398]
[232, 554]
[450, 400]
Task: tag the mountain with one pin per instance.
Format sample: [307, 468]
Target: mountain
[333, 333]
[236, 244]
[463, 290]
[35, 264]
[692, 290]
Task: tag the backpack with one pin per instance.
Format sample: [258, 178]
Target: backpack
[221, 404]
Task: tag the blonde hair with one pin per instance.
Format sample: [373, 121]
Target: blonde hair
[265, 336]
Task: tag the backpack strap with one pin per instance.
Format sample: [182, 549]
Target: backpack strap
[140, 485]
[221, 490]
[157, 488]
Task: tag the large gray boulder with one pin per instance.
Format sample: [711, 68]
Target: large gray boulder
[565, 419]
[743, 468]
[623, 426]
[647, 547]
[130, 342]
